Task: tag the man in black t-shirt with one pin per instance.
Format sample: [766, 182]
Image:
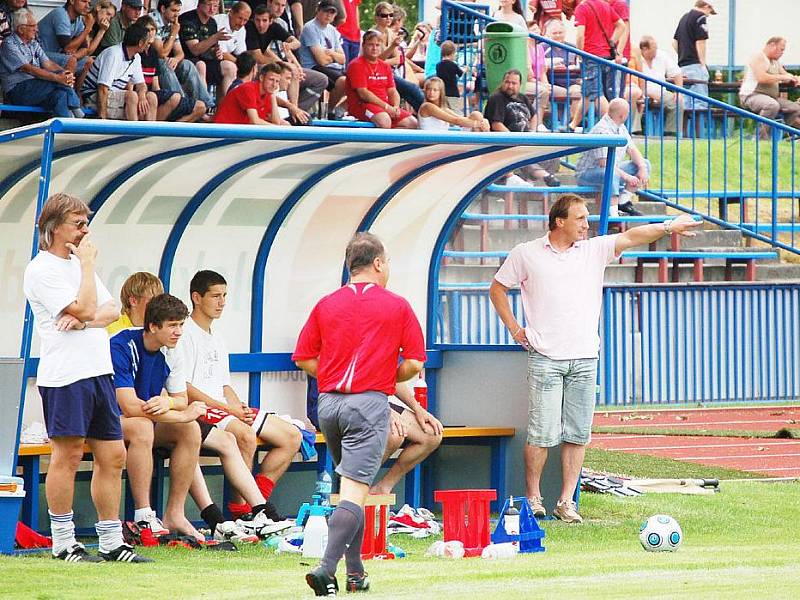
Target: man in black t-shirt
[508, 110]
[689, 42]
[268, 42]
[200, 39]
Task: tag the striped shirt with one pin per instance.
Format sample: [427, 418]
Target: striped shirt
[14, 53]
[113, 69]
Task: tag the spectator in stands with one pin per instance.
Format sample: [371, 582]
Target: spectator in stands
[417, 50]
[71, 306]
[449, 72]
[599, 31]
[361, 319]
[436, 115]
[128, 13]
[175, 72]
[6, 8]
[29, 78]
[760, 91]
[405, 68]
[393, 55]
[562, 314]
[291, 18]
[350, 30]
[153, 419]
[689, 42]
[508, 110]
[64, 35]
[371, 94]
[287, 109]
[115, 85]
[660, 65]
[172, 106]
[102, 12]
[630, 89]
[136, 292]
[200, 39]
[246, 70]
[205, 356]
[544, 12]
[538, 88]
[629, 176]
[234, 22]
[269, 42]
[563, 72]
[255, 102]
[321, 50]
[510, 11]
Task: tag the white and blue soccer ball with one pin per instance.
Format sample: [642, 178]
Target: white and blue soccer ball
[660, 533]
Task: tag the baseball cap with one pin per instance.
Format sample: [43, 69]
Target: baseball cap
[327, 6]
[133, 3]
[704, 4]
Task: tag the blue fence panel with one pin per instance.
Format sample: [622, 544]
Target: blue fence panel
[668, 344]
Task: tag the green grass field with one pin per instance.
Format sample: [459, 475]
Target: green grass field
[739, 543]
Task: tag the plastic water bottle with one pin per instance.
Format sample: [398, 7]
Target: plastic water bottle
[421, 393]
[451, 549]
[315, 534]
[511, 519]
[507, 550]
[323, 488]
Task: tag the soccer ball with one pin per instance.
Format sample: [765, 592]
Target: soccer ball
[660, 533]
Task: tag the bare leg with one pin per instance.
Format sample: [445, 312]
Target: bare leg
[338, 93]
[109, 459]
[247, 444]
[236, 470]
[571, 463]
[138, 434]
[60, 481]
[284, 439]
[185, 439]
[535, 457]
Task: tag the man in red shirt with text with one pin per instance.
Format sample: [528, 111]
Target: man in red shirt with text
[254, 102]
[351, 343]
[371, 94]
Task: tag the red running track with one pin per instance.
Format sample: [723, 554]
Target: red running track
[772, 457]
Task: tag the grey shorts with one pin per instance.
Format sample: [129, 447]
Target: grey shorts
[561, 397]
[355, 427]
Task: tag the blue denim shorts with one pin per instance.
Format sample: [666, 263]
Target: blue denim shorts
[561, 396]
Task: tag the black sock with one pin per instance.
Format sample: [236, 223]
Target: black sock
[212, 515]
[352, 556]
[342, 527]
[257, 509]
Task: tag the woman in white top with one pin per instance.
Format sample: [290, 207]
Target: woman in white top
[435, 114]
[510, 11]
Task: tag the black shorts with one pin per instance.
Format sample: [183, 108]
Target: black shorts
[87, 408]
[332, 75]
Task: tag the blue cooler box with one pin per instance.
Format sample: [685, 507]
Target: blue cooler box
[11, 495]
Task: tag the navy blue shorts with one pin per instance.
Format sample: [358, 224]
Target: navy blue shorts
[87, 408]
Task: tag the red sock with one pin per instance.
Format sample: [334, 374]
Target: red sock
[265, 485]
[238, 510]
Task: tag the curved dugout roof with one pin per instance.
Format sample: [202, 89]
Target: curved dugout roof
[270, 208]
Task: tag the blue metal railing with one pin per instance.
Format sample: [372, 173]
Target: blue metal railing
[667, 344]
[720, 155]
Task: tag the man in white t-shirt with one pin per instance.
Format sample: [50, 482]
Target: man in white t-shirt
[208, 376]
[75, 378]
[234, 23]
[660, 65]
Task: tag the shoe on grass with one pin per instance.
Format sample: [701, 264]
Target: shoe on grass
[153, 523]
[229, 531]
[537, 506]
[567, 511]
[322, 583]
[77, 553]
[261, 525]
[124, 553]
[357, 583]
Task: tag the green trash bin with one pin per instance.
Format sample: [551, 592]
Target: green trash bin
[505, 47]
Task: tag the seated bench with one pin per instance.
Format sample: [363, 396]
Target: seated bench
[418, 484]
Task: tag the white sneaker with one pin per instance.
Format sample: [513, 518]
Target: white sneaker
[262, 526]
[231, 532]
[542, 128]
[153, 523]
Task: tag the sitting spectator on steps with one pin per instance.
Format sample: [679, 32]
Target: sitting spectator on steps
[115, 85]
[127, 15]
[629, 176]
[200, 38]
[234, 22]
[659, 65]
[508, 110]
[321, 50]
[255, 102]
[563, 72]
[287, 109]
[29, 78]
[760, 91]
[435, 113]
[64, 35]
[6, 8]
[371, 95]
[246, 70]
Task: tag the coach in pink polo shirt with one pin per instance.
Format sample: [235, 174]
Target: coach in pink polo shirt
[560, 277]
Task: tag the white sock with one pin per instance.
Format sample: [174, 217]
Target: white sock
[62, 529]
[110, 534]
[141, 514]
[613, 211]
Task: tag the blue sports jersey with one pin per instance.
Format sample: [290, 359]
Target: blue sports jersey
[147, 372]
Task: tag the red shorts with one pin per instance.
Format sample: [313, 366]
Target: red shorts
[365, 112]
[222, 418]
